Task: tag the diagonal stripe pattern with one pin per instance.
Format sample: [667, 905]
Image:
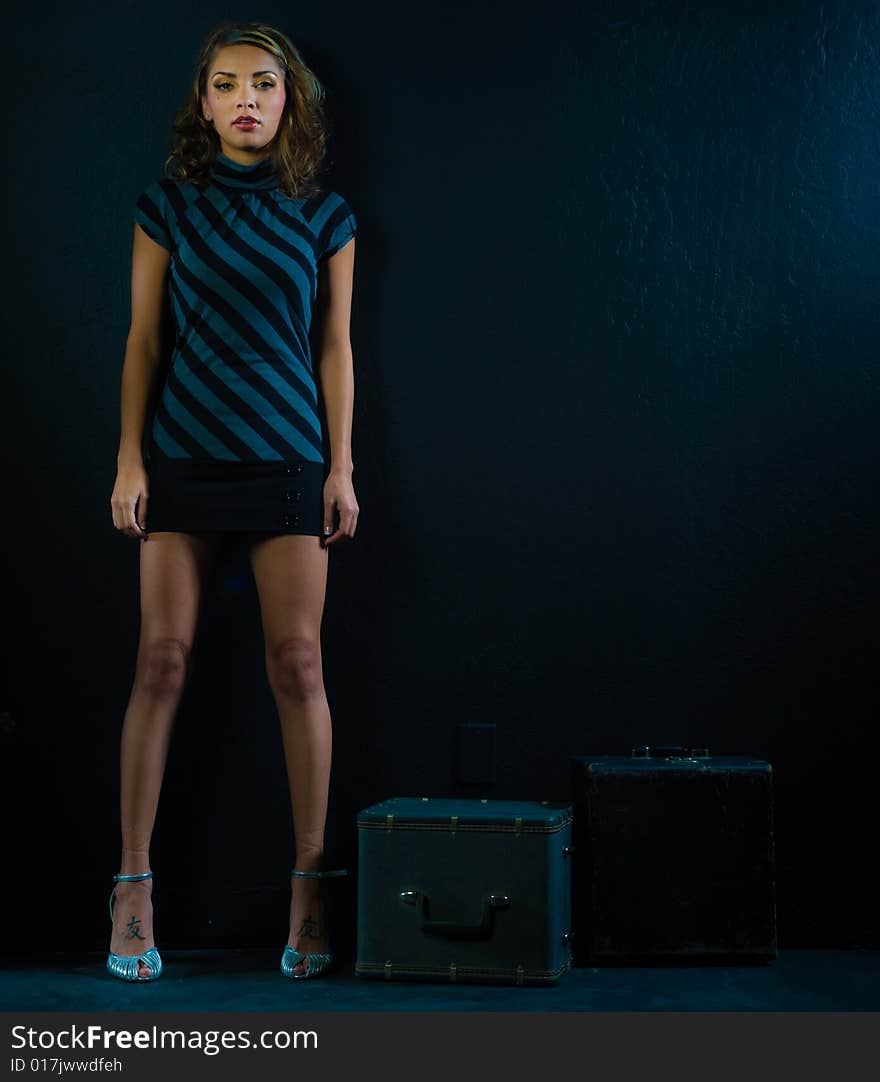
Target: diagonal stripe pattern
[242, 284]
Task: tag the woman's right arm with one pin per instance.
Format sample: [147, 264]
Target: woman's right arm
[149, 267]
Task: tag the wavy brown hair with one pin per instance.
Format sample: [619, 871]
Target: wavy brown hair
[301, 140]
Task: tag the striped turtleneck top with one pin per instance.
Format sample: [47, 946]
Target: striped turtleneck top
[242, 283]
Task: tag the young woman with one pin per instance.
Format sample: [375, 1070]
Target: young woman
[244, 245]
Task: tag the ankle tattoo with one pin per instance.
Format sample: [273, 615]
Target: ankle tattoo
[133, 929]
[309, 928]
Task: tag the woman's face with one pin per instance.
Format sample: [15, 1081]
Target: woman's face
[244, 81]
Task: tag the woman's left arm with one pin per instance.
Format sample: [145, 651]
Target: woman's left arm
[336, 368]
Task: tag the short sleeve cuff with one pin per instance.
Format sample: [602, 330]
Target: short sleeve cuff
[150, 215]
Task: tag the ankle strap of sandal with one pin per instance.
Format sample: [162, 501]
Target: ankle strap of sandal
[126, 879]
[320, 875]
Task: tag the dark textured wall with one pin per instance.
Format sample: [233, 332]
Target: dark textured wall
[615, 336]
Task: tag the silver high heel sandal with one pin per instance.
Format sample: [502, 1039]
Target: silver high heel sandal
[125, 966]
[315, 963]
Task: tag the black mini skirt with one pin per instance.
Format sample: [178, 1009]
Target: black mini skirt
[235, 497]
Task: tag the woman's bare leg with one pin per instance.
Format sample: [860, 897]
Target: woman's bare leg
[291, 576]
[173, 570]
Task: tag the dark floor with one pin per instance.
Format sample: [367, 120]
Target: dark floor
[798, 980]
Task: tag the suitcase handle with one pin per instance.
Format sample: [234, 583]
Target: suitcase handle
[457, 929]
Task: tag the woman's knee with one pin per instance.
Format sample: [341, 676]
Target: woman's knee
[163, 665]
[294, 667]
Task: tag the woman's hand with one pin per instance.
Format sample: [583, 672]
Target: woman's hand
[339, 498]
[129, 500]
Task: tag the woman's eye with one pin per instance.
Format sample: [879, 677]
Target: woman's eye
[263, 82]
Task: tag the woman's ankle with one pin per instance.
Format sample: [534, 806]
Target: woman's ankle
[134, 862]
[309, 860]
